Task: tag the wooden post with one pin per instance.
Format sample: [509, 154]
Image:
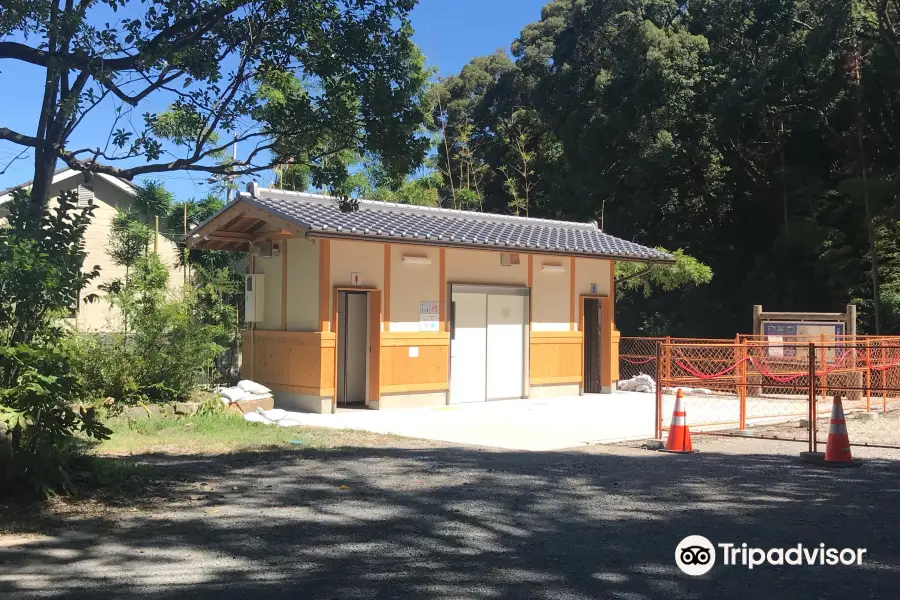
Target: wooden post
[156, 235]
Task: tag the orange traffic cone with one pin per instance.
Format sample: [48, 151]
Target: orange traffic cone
[679, 441]
[838, 448]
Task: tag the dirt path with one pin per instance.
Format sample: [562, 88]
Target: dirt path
[421, 521]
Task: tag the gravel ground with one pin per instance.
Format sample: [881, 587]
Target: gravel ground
[423, 521]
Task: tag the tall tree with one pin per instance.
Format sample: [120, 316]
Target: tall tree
[309, 79]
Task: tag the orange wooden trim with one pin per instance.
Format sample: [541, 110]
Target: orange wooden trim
[572, 294]
[233, 212]
[530, 270]
[612, 286]
[268, 217]
[553, 380]
[397, 338]
[606, 354]
[415, 387]
[324, 280]
[375, 324]
[442, 291]
[530, 287]
[302, 338]
[556, 337]
[284, 271]
[387, 287]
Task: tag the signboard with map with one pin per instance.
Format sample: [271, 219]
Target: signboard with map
[805, 331]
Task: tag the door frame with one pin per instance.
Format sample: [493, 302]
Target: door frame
[605, 339]
[498, 290]
[373, 364]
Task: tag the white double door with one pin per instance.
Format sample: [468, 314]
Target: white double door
[488, 347]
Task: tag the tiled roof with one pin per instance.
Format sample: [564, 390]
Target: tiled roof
[386, 220]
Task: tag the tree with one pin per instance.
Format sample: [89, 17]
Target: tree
[153, 199]
[128, 241]
[300, 79]
[41, 279]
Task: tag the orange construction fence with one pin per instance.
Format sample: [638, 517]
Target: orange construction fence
[761, 384]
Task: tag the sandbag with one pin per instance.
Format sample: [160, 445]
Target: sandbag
[638, 383]
[252, 387]
[233, 394]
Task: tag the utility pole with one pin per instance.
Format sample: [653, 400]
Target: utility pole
[185, 266]
[230, 178]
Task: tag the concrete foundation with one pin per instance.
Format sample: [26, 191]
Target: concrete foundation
[303, 403]
[390, 401]
[554, 391]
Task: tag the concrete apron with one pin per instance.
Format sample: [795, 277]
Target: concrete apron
[532, 424]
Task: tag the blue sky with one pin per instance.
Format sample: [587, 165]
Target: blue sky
[449, 32]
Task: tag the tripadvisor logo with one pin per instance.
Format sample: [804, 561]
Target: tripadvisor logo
[695, 555]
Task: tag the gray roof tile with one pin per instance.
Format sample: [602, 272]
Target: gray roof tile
[385, 220]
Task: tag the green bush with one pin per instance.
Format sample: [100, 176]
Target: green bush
[41, 278]
[167, 346]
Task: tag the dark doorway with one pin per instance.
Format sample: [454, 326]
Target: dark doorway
[592, 345]
[353, 348]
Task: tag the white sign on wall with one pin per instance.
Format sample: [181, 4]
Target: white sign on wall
[354, 278]
[429, 316]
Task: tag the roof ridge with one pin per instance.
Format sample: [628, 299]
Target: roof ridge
[377, 204]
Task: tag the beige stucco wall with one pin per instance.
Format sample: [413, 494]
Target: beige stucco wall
[412, 284]
[550, 309]
[99, 316]
[365, 258]
[483, 267]
[588, 271]
[271, 268]
[302, 285]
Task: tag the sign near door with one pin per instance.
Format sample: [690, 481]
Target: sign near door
[354, 278]
[593, 288]
[429, 316]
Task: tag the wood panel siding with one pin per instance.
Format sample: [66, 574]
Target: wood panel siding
[428, 372]
[555, 357]
[292, 361]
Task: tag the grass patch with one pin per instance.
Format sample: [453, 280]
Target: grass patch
[222, 433]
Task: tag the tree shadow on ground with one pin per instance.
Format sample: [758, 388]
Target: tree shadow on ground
[469, 523]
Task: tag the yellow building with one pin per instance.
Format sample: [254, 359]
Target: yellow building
[396, 306]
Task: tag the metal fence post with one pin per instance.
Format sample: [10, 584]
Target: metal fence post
[868, 376]
[883, 379]
[740, 352]
[657, 426]
[812, 397]
[824, 358]
[668, 357]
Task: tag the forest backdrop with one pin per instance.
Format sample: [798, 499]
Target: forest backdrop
[761, 137]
